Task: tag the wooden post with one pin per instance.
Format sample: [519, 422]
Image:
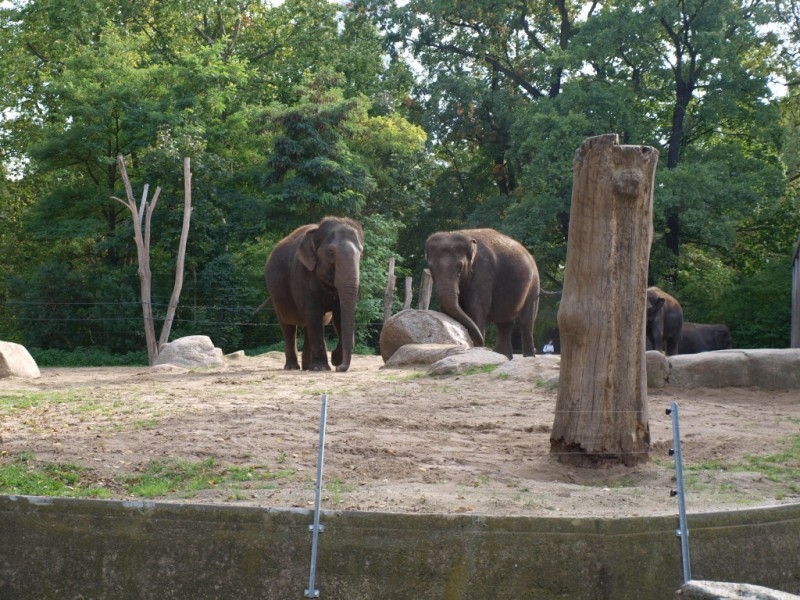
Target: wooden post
[601, 411]
[409, 293]
[425, 289]
[389, 295]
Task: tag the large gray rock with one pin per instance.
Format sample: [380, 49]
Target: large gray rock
[412, 326]
[470, 358]
[16, 361]
[420, 355]
[657, 369]
[715, 590]
[777, 369]
[543, 368]
[190, 351]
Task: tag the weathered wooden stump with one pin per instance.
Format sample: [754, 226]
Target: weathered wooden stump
[601, 411]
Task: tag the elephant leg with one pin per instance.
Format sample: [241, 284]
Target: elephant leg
[290, 346]
[672, 345]
[315, 353]
[306, 351]
[337, 356]
[526, 320]
[503, 345]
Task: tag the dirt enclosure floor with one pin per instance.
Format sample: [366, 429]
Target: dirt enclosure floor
[397, 440]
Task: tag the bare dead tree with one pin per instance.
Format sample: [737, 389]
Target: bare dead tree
[601, 412]
[141, 216]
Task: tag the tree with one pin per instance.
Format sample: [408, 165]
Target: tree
[141, 217]
[601, 411]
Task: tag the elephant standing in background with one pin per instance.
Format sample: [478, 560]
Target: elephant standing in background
[664, 321]
[700, 337]
[312, 275]
[482, 276]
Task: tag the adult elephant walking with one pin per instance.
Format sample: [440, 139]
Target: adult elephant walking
[482, 276]
[312, 275]
[664, 321]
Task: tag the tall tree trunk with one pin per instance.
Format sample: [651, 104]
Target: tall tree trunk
[601, 412]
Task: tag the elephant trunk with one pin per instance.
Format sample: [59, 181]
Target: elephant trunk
[346, 283]
[448, 296]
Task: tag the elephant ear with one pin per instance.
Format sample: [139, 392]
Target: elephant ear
[655, 306]
[473, 251]
[307, 250]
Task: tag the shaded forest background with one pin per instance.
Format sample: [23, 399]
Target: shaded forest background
[411, 117]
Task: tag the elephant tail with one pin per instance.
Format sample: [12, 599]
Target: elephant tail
[264, 304]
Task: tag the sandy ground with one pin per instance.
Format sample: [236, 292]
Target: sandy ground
[396, 440]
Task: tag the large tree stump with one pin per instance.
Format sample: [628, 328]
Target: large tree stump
[601, 412]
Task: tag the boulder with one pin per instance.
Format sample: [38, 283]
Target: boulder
[190, 351]
[16, 361]
[420, 355]
[777, 369]
[657, 369]
[715, 590]
[412, 326]
[470, 358]
[540, 368]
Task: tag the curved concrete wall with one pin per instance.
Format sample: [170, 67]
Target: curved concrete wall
[95, 549]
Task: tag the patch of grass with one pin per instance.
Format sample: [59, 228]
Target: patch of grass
[479, 370]
[22, 476]
[336, 487]
[12, 402]
[164, 477]
[148, 423]
[532, 502]
[543, 384]
[782, 468]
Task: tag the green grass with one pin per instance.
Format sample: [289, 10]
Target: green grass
[542, 383]
[336, 487]
[782, 468]
[479, 370]
[12, 402]
[165, 477]
[22, 477]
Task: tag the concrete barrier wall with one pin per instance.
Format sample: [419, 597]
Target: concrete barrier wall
[94, 549]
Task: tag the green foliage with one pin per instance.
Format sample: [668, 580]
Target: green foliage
[88, 357]
[757, 308]
[309, 108]
[312, 171]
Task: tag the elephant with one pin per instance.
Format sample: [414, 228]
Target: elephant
[312, 276]
[664, 321]
[480, 276]
[702, 337]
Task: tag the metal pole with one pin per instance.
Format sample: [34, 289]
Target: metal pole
[316, 528]
[683, 531]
